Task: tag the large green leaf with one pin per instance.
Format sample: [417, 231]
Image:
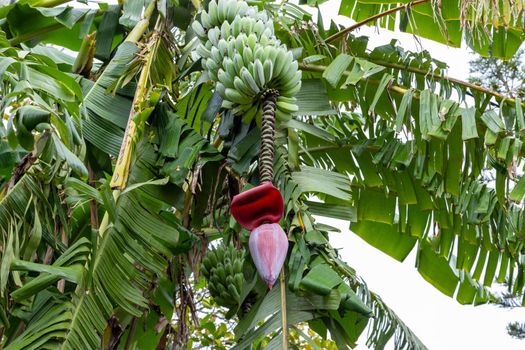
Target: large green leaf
[385, 238]
[44, 22]
[322, 181]
[147, 233]
[108, 111]
[487, 26]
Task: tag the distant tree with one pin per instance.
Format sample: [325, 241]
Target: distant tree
[506, 77]
[516, 330]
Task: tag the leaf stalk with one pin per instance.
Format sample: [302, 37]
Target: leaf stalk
[373, 18]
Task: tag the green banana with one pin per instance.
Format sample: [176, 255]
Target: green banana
[264, 40]
[225, 278]
[223, 46]
[221, 288]
[271, 54]
[239, 63]
[205, 20]
[221, 272]
[229, 279]
[265, 53]
[216, 55]
[268, 70]
[199, 30]
[221, 90]
[268, 32]
[212, 75]
[214, 279]
[239, 44]
[282, 116]
[231, 10]
[227, 104]
[279, 62]
[248, 80]
[207, 265]
[204, 271]
[211, 65]
[231, 48]
[236, 26]
[293, 91]
[236, 96]
[202, 51]
[221, 11]
[259, 28]
[238, 280]
[250, 114]
[240, 86]
[258, 53]
[252, 41]
[237, 265]
[247, 24]
[230, 271]
[229, 67]
[212, 11]
[212, 258]
[241, 108]
[286, 78]
[286, 107]
[242, 7]
[225, 30]
[213, 36]
[227, 298]
[234, 292]
[247, 56]
[292, 81]
[258, 75]
[225, 78]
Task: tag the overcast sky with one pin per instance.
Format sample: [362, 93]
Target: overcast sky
[439, 321]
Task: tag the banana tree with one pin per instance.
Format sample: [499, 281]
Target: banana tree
[142, 142]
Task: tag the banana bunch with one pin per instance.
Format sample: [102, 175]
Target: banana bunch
[223, 268]
[241, 54]
[253, 24]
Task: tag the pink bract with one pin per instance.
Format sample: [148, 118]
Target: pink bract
[268, 247]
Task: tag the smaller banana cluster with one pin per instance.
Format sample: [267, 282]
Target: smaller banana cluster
[223, 268]
[240, 52]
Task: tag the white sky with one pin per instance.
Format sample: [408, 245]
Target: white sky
[439, 321]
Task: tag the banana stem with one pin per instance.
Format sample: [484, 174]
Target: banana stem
[267, 137]
[283, 310]
[84, 60]
[121, 172]
[141, 26]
